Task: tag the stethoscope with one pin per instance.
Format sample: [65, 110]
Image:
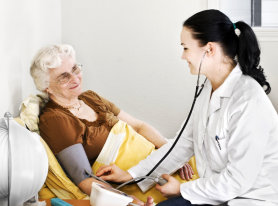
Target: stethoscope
[198, 91]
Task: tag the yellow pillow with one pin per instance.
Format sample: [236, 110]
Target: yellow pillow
[126, 148]
[57, 183]
[131, 148]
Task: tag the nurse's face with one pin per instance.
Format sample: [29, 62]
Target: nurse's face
[192, 52]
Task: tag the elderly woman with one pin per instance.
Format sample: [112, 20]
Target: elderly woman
[76, 124]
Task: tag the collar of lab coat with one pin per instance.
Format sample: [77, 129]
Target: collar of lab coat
[225, 90]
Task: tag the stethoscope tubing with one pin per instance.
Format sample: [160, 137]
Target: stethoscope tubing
[196, 94]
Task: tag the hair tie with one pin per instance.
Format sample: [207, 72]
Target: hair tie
[234, 26]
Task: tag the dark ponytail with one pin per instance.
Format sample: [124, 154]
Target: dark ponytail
[248, 55]
[214, 26]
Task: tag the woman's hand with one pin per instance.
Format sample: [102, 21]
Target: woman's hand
[139, 202]
[149, 202]
[186, 172]
[171, 188]
[113, 173]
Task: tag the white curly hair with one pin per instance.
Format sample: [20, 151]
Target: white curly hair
[48, 57]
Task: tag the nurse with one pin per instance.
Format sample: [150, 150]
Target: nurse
[233, 131]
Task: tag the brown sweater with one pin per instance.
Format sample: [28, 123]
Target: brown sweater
[61, 129]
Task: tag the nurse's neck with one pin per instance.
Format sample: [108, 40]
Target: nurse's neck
[218, 74]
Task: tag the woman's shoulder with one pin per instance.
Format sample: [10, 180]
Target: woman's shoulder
[53, 113]
[93, 100]
[90, 95]
[248, 89]
[98, 103]
[52, 119]
[248, 93]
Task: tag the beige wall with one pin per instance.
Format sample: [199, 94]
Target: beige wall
[26, 26]
[131, 55]
[269, 59]
[130, 52]
[238, 10]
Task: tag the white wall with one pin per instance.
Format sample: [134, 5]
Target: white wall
[131, 55]
[130, 52]
[269, 63]
[26, 25]
[238, 10]
[270, 13]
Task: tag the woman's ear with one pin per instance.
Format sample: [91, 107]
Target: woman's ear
[210, 48]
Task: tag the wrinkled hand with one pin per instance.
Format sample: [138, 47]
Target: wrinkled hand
[113, 173]
[186, 172]
[149, 202]
[171, 188]
[139, 202]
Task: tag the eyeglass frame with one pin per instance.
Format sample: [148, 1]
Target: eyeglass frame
[71, 74]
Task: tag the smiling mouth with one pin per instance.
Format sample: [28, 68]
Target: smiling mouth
[74, 86]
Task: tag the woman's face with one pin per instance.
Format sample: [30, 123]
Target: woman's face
[65, 80]
[192, 52]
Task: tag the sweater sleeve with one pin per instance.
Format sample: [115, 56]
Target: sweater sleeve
[109, 105]
[60, 130]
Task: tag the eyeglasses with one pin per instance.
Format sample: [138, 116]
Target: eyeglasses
[65, 78]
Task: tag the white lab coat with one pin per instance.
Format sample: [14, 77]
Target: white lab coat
[242, 165]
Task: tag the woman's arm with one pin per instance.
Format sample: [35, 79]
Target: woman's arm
[144, 129]
[151, 134]
[86, 185]
[75, 163]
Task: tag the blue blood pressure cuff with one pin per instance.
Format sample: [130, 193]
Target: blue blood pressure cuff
[75, 163]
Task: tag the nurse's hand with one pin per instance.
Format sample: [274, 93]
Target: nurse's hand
[113, 173]
[186, 172]
[171, 188]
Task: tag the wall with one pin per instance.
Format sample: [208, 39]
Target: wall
[267, 36]
[269, 63]
[131, 53]
[26, 26]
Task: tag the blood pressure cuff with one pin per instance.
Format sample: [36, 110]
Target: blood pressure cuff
[75, 163]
